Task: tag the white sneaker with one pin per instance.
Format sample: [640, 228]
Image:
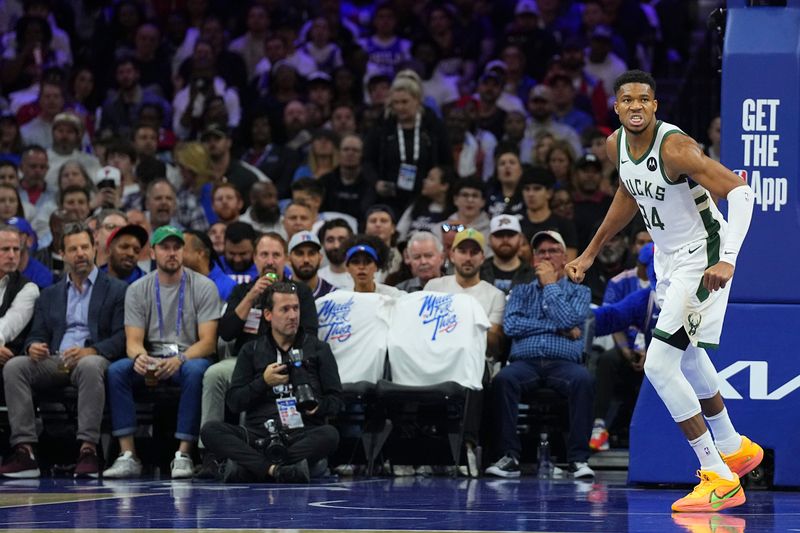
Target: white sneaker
[182, 466]
[581, 470]
[423, 470]
[471, 468]
[402, 470]
[125, 466]
[345, 470]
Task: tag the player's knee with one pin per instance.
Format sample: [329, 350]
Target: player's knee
[658, 367]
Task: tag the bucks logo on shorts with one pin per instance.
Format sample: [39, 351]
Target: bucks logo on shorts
[694, 320]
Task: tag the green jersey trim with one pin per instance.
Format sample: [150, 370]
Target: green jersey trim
[708, 345]
[681, 178]
[649, 148]
[663, 335]
[712, 249]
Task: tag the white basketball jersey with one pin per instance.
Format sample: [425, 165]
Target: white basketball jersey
[676, 213]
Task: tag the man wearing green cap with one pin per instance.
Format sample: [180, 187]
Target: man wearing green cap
[171, 329]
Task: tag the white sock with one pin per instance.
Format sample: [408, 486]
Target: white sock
[726, 437]
[599, 423]
[709, 457]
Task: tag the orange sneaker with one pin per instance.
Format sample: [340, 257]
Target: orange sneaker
[745, 459]
[709, 522]
[713, 493]
[599, 440]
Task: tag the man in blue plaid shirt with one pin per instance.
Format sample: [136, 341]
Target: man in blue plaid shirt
[544, 320]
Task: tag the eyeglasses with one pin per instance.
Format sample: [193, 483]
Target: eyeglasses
[542, 252]
[111, 227]
[447, 228]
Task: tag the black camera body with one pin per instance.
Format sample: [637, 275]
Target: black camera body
[275, 445]
[301, 383]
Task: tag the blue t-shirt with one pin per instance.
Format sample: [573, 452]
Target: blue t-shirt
[223, 282]
[38, 273]
[239, 277]
[205, 201]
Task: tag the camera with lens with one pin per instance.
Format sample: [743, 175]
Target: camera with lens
[274, 445]
[301, 383]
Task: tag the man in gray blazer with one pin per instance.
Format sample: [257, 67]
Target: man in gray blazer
[78, 329]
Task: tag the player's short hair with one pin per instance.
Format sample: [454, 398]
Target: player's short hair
[635, 76]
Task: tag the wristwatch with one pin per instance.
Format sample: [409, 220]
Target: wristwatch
[181, 357]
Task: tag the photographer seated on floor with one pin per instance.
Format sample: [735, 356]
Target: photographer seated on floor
[287, 382]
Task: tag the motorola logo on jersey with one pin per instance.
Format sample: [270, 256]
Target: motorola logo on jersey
[651, 164]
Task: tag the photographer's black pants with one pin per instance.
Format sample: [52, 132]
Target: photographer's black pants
[229, 441]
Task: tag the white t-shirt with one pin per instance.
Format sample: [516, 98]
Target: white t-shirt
[492, 299]
[356, 326]
[342, 281]
[437, 337]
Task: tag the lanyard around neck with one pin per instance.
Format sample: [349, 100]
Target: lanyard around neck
[401, 140]
[181, 293]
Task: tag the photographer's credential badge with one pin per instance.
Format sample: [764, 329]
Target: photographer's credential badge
[287, 409]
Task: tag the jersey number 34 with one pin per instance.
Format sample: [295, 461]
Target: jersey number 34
[653, 221]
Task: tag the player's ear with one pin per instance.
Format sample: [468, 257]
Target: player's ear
[655, 105]
[616, 110]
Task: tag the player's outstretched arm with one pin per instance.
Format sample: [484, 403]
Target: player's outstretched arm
[623, 209]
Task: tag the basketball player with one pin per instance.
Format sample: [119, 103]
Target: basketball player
[665, 176]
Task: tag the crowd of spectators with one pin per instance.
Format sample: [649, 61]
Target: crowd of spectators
[382, 147]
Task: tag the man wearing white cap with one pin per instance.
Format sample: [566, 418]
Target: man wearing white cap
[107, 180]
[305, 258]
[505, 269]
[67, 135]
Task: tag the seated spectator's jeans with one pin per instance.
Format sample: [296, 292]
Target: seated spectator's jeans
[122, 379]
[568, 378]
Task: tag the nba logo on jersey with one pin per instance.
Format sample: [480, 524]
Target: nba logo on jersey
[438, 310]
[335, 318]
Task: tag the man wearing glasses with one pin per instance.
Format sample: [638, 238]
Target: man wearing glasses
[544, 320]
[469, 199]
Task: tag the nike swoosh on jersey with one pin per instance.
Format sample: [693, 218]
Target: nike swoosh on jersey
[623, 161]
[693, 251]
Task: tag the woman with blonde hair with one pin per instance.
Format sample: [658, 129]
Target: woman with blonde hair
[323, 156]
[194, 193]
[403, 148]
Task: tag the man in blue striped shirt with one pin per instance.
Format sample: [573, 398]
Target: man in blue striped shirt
[544, 320]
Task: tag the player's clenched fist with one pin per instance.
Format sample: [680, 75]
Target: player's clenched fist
[717, 276]
[576, 269]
